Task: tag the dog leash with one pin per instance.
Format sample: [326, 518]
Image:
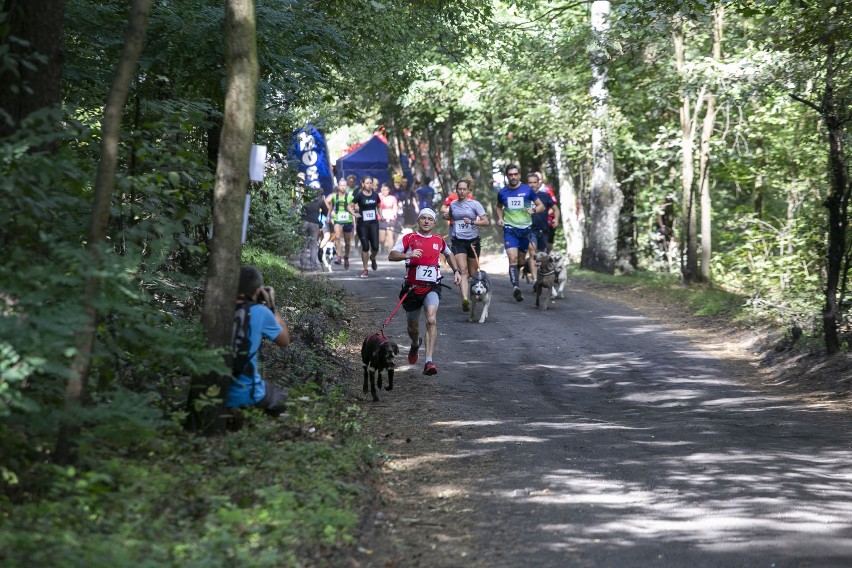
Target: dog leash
[393, 313]
[475, 256]
[398, 304]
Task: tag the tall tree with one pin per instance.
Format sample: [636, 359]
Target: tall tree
[606, 199]
[832, 100]
[75, 392]
[688, 126]
[570, 207]
[704, 153]
[229, 194]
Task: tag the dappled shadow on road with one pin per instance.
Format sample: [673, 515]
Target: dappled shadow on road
[594, 436]
[649, 454]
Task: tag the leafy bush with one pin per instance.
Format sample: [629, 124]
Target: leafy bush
[142, 340]
[275, 219]
[778, 265]
[273, 494]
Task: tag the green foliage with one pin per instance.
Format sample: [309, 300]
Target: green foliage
[275, 493]
[778, 265]
[274, 220]
[143, 341]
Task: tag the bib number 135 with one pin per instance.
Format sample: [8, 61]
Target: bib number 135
[427, 273]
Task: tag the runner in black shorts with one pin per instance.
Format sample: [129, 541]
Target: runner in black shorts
[365, 207]
[467, 216]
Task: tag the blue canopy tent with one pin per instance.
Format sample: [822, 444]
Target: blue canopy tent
[370, 159]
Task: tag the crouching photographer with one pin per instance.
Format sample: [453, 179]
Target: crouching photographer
[255, 317]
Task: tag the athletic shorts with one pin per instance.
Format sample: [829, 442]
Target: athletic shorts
[413, 302]
[464, 246]
[347, 227]
[516, 238]
[368, 233]
[540, 238]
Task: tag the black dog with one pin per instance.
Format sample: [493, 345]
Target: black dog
[377, 355]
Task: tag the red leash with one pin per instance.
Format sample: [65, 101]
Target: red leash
[393, 313]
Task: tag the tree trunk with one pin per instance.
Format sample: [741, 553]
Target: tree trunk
[214, 137]
[229, 193]
[689, 265]
[570, 208]
[448, 170]
[412, 148]
[394, 160]
[41, 23]
[837, 203]
[704, 154]
[606, 199]
[75, 392]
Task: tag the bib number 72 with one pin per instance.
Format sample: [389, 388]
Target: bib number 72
[427, 273]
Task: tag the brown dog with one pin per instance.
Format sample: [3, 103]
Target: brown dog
[377, 354]
[546, 279]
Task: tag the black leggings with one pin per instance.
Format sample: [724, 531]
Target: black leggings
[368, 233]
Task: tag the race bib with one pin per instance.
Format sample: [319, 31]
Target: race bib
[515, 202]
[462, 226]
[343, 217]
[388, 214]
[369, 215]
[426, 273]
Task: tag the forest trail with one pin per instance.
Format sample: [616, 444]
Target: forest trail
[591, 435]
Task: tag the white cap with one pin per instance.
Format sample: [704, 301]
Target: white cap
[427, 212]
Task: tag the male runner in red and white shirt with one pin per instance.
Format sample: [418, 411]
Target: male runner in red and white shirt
[421, 251]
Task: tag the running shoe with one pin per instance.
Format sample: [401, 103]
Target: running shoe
[375, 264]
[336, 260]
[412, 353]
[465, 305]
[365, 274]
[346, 263]
[517, 294]
[430, 369]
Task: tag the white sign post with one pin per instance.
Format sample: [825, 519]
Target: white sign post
[257, 171]
[257, 162]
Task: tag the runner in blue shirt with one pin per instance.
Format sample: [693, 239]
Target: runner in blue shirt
[516, 203]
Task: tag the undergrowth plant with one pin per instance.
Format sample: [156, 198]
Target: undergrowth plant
[143, 491]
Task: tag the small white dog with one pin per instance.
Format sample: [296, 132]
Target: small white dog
[328, 254]
[561, 274]
[480, 293]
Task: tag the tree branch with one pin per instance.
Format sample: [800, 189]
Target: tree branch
[806, 102]
[552, 13]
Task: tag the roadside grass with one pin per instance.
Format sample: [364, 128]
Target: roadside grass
[701, 299]
[278, 492]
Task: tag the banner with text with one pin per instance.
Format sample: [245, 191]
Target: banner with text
[310, 150]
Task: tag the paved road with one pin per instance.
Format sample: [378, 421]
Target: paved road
[591, 436]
